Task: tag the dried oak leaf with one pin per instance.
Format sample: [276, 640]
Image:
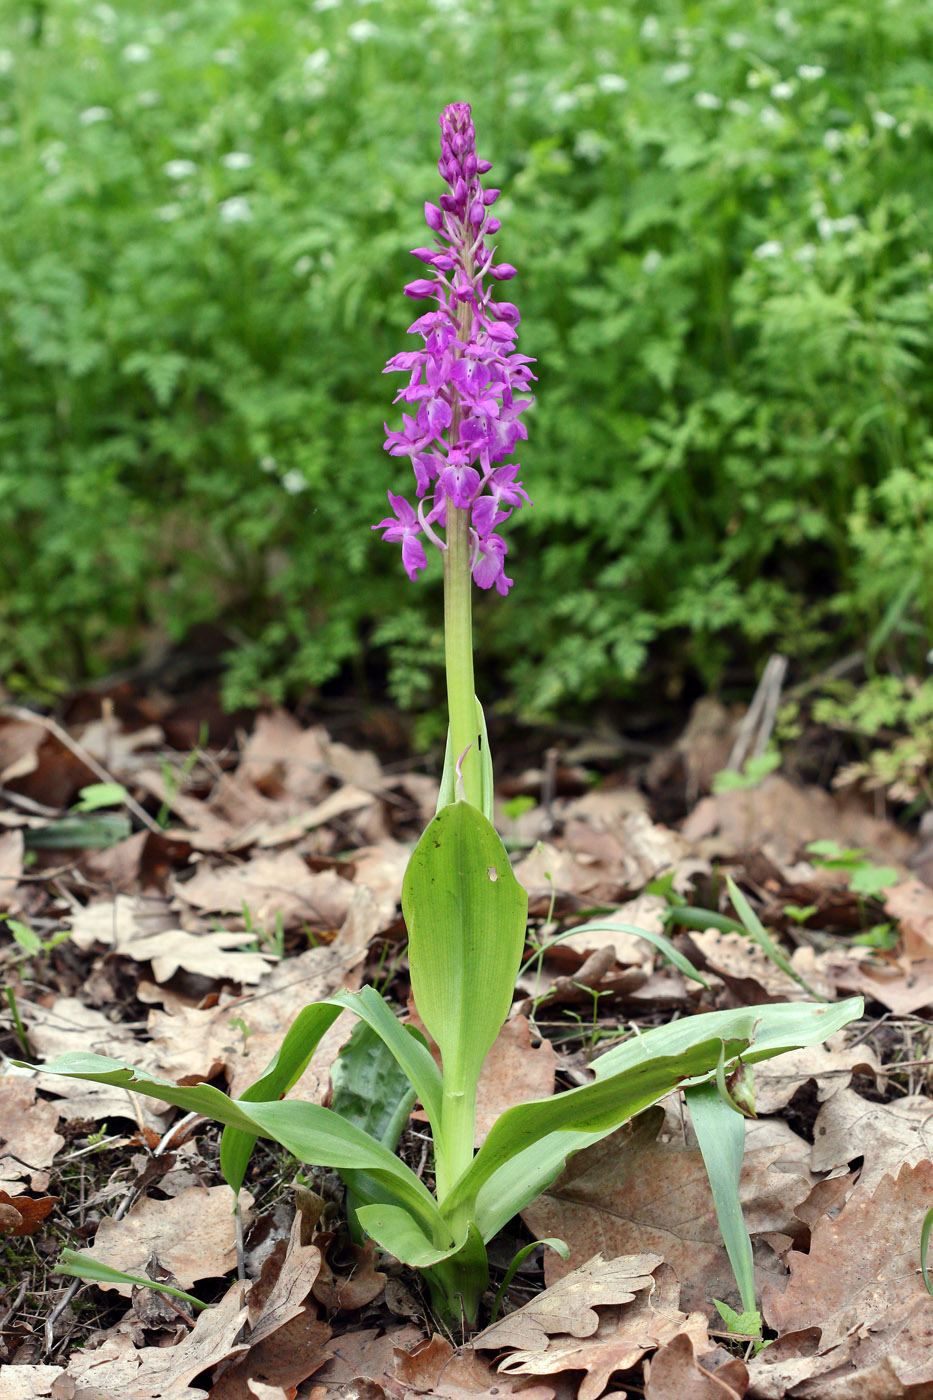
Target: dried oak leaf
[191, 1234]
[23, 1215]
[634, 1192]
[568, 1305]
[831, 1065]
[861, 1282]
[886, 1135]
[119, 1371]
[271, 887]
[623, 1335]
[28, 1140]
[28, 1382]
[902, 992]
[675, 1374]
[434, 1368]
[361, 1284]
[911, 904]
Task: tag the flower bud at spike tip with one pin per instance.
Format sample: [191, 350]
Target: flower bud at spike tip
[468, 386]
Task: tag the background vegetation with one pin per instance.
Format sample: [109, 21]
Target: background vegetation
[720, 214]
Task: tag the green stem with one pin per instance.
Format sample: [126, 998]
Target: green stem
[454, 1150]
[458, 648]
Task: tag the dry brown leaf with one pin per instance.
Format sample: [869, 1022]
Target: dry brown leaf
[28, 1382]
[12, 848]
[280, 757]
[360, 1285]
[887, 1135]
[117, 1370]
[831, 1065]
[28, 1140]
[633, 1192]
[337, 804]
[911, 904]
[861, 1280]
[271, 887]
[117, 868]
[23, 1216]
[286, 1279]
[113, 923]
[284, 1357]
[745, 966]
[624, 1334]
[70, 1025]
[644, 912]
[119, 749]
[368, 1353]
[204, 830]
[567, 1306]
[434, 1368]
[193, 1043]
[900, 991]
[780, 819]
[192, 1234]
[675, 1374]
[218, 955]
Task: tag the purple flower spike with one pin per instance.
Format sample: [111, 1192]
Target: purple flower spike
[468, 386]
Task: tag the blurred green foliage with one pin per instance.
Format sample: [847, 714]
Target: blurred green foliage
[720, 214]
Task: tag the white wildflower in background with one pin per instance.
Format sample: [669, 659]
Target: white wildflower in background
[361, 30]
[885, 120]
[676, 73]
[784, 20]
[565, 101]
[91, 115]
[294, 482]
[735, 39]
[611, 82]
[148, 98]
[805, 253]
[782, 91]
[226, 57]
[848, 223]
[105, 13]
[320, 5]
[650, 28]
[810, 72]
[904, 130]
[770, 116]
[168, 213]
[237, 160]
[235, 210]
[267, 464]
[137, 53]
[740, 108]
[708, 100]
[833, 139]
[315, 62]
[589, 145]
[770, 249]
[651, 261]
[6, 61]
[303, 265]
[8, 136]
[180, 169]
[754, 79]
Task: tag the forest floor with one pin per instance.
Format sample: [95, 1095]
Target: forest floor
[175, 886]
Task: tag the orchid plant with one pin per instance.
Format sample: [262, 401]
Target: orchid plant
[465, 911]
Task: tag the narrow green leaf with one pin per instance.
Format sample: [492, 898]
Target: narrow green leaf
[657, 940]
[756, 930]
[284, 1070]
[78, 1265]
[559, 1246]
[925, 1229]
[720, 1134]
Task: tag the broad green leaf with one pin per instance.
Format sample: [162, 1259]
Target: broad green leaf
[97, 795]
[720, 1134]
[78, 1265]
[466, 914]
[410, 1053]
[283, 1071]
[395, 1231]
[368, 1086]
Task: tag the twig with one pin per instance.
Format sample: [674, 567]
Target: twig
[758, 721]
[30, 717]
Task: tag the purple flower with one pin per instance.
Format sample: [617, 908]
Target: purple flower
[468, 385]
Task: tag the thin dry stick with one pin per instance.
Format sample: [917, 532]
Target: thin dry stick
[63, 737]
[758, 722]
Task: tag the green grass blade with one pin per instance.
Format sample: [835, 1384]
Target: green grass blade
[78, 1265]
[756, 930]
[657, 940]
